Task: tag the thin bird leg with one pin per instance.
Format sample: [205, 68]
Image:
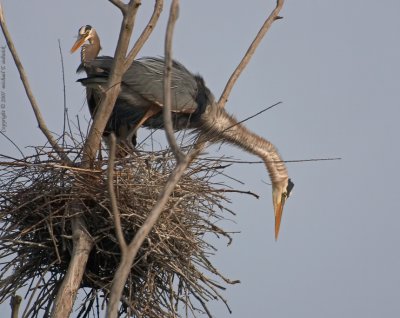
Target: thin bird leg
[153, 110]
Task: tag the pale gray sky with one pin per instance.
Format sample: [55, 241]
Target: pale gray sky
[335, 66]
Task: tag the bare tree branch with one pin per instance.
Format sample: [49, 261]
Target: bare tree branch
[28, 91]
[250, 51]
[128, 258]
[15, 303]
[113, 86]
[82, 242]
[169, 131]
[64, 93]
[182, 163]
[158, 6]
[119, 4]
[82, 245]
[120, 65]
[113, 199]
[13, 143]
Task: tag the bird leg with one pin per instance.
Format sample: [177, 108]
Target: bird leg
[151, 111]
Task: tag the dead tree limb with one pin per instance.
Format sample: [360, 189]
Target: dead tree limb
[15, 303]
[82, 245]
[168, 126]
[82, 242]
[28, 90]
[113, 85]
[120, 65]
[158, 6]
[119, 4]
[183, 161]
[113, 199]
[250, 51]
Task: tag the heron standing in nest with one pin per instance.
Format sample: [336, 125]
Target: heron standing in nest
[193, 106]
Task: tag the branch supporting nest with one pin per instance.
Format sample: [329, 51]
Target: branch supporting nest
[171, 270]
[58, 221]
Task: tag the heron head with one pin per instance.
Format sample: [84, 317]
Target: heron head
[280, 192]
[86, 33]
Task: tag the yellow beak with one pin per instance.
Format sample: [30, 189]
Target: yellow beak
[278, 209]
[79, 42]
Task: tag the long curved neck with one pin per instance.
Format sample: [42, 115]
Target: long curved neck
[90, 51]
[220, 126]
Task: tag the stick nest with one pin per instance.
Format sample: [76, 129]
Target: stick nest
[172, 275]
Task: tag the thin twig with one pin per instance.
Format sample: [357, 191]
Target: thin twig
[46, 165]
[113, 199]
[158, 6]
[28, 91]
[276, 161]
[64, 93]
[238, 191]
[13, 143]
[255, 115]
[119, 4]
[250, 51]
[311, 159]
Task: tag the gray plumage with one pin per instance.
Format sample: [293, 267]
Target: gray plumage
[142, 87]
[193, 106]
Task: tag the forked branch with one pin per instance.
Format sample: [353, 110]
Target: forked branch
[119, 4]
[113, 85]
[128, 255]
[158, 6]
[82, 242]
[120, 64]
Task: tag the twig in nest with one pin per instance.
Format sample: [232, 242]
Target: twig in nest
[35, 231]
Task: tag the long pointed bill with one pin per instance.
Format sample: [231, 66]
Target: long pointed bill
[79, 42]
[278, 209]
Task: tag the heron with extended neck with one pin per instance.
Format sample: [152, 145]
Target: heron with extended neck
[193, 106]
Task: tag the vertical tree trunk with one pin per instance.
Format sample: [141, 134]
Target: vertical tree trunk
[66, 295]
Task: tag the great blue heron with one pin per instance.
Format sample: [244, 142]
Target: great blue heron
[193, 106]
